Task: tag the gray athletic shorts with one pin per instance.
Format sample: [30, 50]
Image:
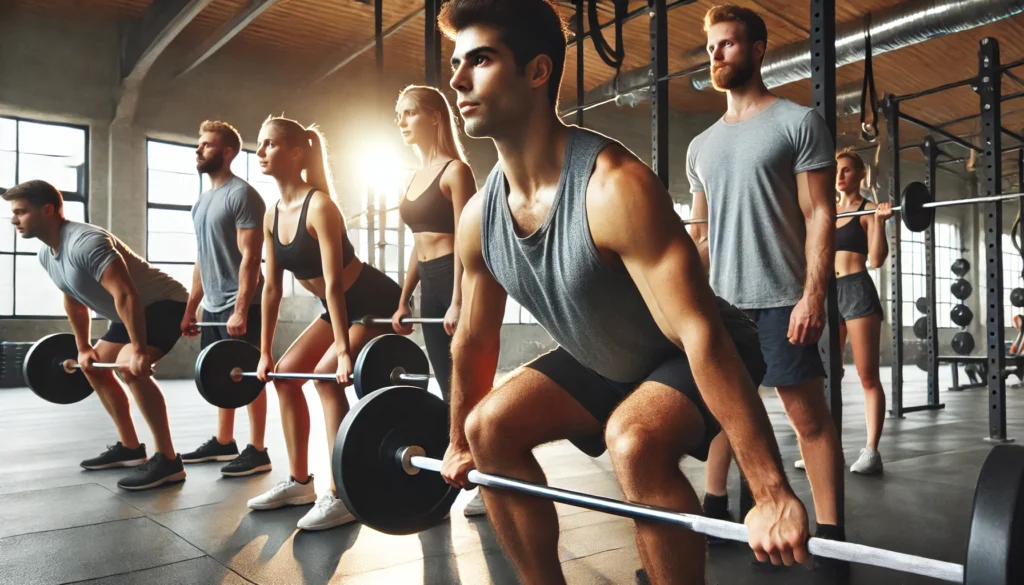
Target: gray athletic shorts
[858, 297]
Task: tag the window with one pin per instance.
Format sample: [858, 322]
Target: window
[1012, 278]
[912, 255]
[56, 153]
[173, 185]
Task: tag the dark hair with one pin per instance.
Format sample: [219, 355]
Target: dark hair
[229, 136]
[756, 29]
[528, 27]
[37, 193]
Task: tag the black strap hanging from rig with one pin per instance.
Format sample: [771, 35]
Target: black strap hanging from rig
[612, 57]
[868, 130]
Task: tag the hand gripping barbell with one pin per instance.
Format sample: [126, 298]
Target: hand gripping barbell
[52, 372]
[226, 370]
[916, 208]
[392, 435]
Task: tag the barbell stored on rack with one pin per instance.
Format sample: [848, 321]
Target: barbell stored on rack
[393, 434]
[225, 371]
[52, 372]
[916, 208]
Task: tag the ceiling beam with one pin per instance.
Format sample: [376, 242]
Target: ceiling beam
[334, 67]
[145, 40]
[225, 33]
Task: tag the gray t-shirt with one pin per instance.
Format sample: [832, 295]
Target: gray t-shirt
[217, 216]
[79, 262]
[747, 171]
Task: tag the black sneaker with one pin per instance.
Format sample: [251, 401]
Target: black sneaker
[833, 571]
[717, 507]
[117, 456]
[249, 462]
[153, 473]
[212, 450]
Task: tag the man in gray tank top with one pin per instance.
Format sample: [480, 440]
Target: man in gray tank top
[97, 272]
[763, 175]
[581, 233]
[227, 283]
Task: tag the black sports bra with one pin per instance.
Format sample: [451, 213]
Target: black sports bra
[850, 237]
[431, 211]
[302, 256]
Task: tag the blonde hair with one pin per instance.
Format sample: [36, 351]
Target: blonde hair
[848, 153]
[432, 101]
[315, 166]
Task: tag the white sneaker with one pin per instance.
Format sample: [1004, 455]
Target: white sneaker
[799, 464]
[869, 462]
[328, 512]
[286, 493]
[475, 507]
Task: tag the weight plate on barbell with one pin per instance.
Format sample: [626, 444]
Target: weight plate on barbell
[915, 215]
[997, 522]
[373, 485]
[380, 357]
[213, 373]
[45, 374]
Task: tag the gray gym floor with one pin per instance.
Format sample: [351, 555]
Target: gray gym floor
[60, 524]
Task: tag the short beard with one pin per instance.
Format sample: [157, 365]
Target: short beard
[731, 77]
[211, 165]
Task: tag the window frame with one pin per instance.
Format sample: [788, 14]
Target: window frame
[79, 196]
[943, 279]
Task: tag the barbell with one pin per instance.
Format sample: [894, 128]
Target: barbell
[393, 434]
[52, 372]
[363, 321]
[225, 373]
[916, 208]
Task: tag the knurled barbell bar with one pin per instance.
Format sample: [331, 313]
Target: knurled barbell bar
[393, 434]
[226, 370]
[51, 370]
[916, 209]
[363, 321]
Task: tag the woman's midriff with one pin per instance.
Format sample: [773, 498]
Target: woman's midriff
[430, 245]
[849, 263]
[318, 286]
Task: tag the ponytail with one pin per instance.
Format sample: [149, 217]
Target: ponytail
[317, 167]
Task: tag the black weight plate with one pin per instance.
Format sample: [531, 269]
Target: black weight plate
[921, 328]
[916, 217]
[922, 305]
[962, 289]
[1017, 297]
[213, 373]
[45, 374]
[370, 481]
[963, 343]
[379, 359]
[961, 267]
[997, 522]
[961, 315]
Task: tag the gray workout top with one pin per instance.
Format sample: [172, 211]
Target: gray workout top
[591, 309]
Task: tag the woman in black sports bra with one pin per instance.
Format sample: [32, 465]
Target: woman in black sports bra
[305, 234]
[860, 243]
[431, 207]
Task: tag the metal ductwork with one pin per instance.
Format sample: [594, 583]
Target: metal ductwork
[899, 26]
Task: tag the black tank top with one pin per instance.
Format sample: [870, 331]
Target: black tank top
[851, 237]
[431, 211]
[302, 256]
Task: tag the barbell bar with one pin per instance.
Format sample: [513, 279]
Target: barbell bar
[225, 373]
[392, 435]
[363, 321]
[916, 208]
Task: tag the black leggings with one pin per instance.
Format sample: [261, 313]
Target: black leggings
[437, 278]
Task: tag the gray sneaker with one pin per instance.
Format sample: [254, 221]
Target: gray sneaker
[286, 493]
[869, 462]
[475, 507]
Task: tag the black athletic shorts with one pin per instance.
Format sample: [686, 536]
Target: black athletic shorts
[163, 326]
[788, 364]
[373, 294]
[600, 396]
[253, 326]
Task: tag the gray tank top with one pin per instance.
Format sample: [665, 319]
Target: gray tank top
[592, 310]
